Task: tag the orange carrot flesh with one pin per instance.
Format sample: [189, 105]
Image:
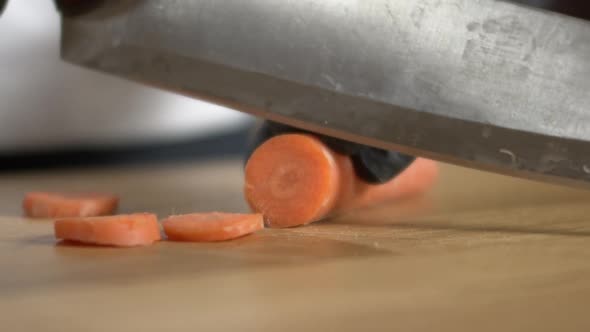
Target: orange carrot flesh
[211, 227]
[139, 229]
[418, 178]
[292, 180]
[61, 205]
[295, 179]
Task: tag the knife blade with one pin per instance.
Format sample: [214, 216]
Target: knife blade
[484, 84]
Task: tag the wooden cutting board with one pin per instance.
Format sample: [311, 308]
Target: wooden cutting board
[481, 253]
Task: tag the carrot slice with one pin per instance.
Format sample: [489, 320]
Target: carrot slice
[61, 205]
[295, 179]
[213, 226]
[129, 230]
[292, 180]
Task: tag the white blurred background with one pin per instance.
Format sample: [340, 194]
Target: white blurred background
[47, 104]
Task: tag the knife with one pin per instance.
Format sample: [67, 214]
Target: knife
[485, 84]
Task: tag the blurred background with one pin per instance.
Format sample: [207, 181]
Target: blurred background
[53, 114]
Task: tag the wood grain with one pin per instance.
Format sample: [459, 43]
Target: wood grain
[481, 252]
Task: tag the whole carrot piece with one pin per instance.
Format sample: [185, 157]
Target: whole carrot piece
[295, 179]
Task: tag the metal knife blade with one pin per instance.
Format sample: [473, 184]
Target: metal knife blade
[479, 83]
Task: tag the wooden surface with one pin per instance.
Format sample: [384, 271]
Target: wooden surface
[481, 253]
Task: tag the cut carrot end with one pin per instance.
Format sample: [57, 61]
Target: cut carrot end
[211, 227]
[61, 205]
[292, 180]
[130, 230]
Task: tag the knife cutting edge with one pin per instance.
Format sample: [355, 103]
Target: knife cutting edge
[485, 84]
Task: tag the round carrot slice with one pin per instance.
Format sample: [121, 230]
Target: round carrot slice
[213, 226]
[61, 205]
[292, 179]
[130, 230]
[295, 179]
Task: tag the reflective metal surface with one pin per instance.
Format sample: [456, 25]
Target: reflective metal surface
[480, 83]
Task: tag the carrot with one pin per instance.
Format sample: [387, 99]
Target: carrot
[61, 205]
[295, 179]
[213, 226]
[129, 230]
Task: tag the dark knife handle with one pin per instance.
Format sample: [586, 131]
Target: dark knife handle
[2, 6]
[372, 165]
[76, 7]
